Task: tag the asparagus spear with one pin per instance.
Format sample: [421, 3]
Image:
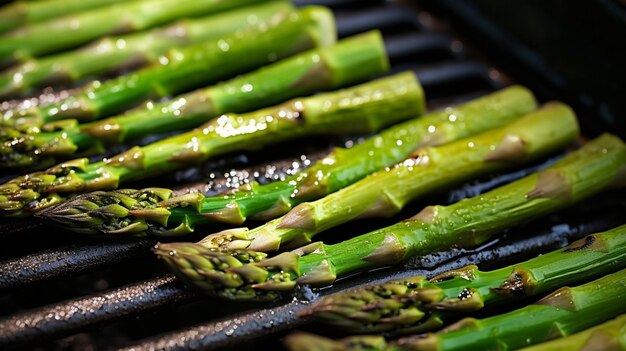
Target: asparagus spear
[416, 304]
[295, 118]
[75, 29]
[564, 312]
[386, 192]
[610, 335]
[18, 149]
[247, 274]
[19, 13]
[112, 54]
[339, 169]
[191, 67]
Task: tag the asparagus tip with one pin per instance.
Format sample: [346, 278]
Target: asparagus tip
[232, 274]
[124, 211]
[230, 239]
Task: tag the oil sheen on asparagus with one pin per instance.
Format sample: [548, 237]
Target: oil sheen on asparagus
[186, 68]
[75, 29]
[288, 78]
[387, 191]
[292, 119]
[417, 304]
[248, 274]
[337, 170]
[111, 55]
[564, 312]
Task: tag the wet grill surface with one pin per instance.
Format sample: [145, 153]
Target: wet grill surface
[63, 291]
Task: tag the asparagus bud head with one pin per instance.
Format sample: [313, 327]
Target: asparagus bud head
[109, 211]
[233, 274]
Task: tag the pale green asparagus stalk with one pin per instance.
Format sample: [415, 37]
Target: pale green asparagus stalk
[330, 113]
[562, 313]
[247, 274]
[607, 336]
[337, 170]
[76, 29]
[120, 53]
[386, 192]
[416, 304]
[20, 12]
[188, 68]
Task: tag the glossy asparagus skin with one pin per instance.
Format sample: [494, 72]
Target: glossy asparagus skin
[113, 54]
[247, 274]
[610, 335]
[187, 68]
[564, 312]
[19, 13]
[76, 29]
[416, 304]
[294, 76]
[337, 170]
[386, 192]
[19, 149]
[227, 133]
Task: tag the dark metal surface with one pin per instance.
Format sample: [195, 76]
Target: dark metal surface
[572, 51]
[387, 19]
[68, 261]
[69, 316]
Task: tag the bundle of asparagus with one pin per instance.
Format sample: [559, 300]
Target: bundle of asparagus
[564, 312]
[247, 274]
[178, 215]
[114, 54]
[299, 75]
[386, 192]
[81, 27]
[187, 68]
[416, 304]
[376, 178]
[376, 103]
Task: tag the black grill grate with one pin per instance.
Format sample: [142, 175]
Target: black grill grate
[59, 291]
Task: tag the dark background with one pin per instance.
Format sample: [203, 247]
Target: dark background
[570, 50]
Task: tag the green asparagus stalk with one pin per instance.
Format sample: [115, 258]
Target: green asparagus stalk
[19, 13]
[416, 304]
[564, 312]
[349, 61]
[610, 335]
[386, 192]
[18, 149]
[183, 69]
[247, 274]
[75, 29]
[295, 118]
[337, 170]
[117, 53]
